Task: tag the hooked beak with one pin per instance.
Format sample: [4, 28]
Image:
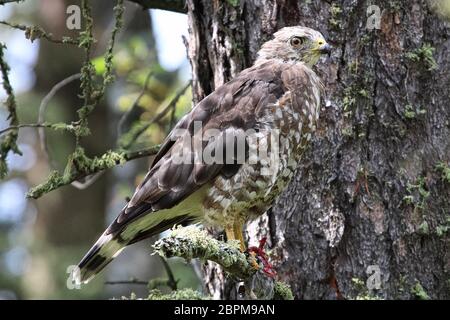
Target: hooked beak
[325, 49]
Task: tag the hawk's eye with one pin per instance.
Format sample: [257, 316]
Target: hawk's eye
[296, 42]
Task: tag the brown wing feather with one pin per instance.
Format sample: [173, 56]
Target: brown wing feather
[231, 107]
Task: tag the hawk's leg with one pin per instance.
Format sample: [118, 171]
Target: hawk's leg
[239, 235]
[229, 231]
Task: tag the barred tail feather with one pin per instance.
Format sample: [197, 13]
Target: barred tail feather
[109, 245]
[102, 252]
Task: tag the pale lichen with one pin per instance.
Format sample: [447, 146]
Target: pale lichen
[181, 294]
[192, 242]
[282, 291]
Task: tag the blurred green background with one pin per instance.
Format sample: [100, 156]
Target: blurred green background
[40, 239]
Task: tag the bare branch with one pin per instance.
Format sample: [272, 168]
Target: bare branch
[129, 140]
[26, 125]
[169, 5]
[131, 281]
[127, 115]
[43, 107]
[3, 2]
[171, 281]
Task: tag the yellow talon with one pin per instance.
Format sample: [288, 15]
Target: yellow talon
[253, 261]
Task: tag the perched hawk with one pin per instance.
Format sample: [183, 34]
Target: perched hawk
[257, 124]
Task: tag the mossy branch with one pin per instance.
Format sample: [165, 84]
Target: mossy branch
[35, 32]
[80, 166]
[191, 242]
[8, 142]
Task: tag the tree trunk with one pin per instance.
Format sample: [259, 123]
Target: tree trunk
[368, 196]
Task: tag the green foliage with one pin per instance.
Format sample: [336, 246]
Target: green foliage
[418, 194]
[442, 229]
[420, 292]
[424, 228]
[282, 291]
[363, 293]
[234, 3]
[411, 113]
[335, 12]
[445, 169]
[424, 55]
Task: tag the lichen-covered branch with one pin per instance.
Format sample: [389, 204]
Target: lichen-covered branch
[80, 166]
[191, 242]
[9, 142]
[35, 32]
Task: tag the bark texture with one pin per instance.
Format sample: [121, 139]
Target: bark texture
[368, 192]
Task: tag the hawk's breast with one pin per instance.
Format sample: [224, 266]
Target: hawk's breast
[282, 131]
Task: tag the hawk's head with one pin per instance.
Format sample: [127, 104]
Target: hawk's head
[298, 44]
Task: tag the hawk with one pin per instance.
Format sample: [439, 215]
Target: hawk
[274, 105]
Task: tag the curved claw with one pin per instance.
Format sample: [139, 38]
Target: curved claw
[259, 252]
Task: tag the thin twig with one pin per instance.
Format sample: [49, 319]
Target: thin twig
[127, 115]
[43, 107]
[26, 125]
[88, 181]
[171, 281]
[132, 281]
[3, 2]
[156, 118]
[35, 32]
[169, 5]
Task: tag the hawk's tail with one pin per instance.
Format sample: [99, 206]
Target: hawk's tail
[102, 252]
[113, 241]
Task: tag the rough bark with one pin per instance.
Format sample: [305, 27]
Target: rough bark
[368, 191]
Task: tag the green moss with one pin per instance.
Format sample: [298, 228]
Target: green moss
[363, 293]
[191, 242]
[420, 292]
[442, 229]
[335, 20]
[445, 170]
[78, 165]
[423, 55]
[418, 194]
[182, 294]
[424, 228]
[411, 112]
[282, 291]
[234, 3]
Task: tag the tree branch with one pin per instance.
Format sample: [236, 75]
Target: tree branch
[35, 32]
[3, 2]
[191, 242]
[169, 5]
[79, 166]
[9, 142]
[127, 140]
